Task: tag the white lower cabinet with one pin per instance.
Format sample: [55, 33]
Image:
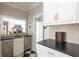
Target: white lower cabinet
[43, 51]
[18, 47]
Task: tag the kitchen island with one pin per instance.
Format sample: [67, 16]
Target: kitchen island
[14, 45]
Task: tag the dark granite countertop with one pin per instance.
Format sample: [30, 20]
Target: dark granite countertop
[14, 36]
[67, 48]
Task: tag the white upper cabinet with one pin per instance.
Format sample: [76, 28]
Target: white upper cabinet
[49, 12]
[66, 11]
[60, 13]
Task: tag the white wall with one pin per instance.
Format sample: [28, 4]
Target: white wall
[35, 11]
[10, 11]
[72, 32]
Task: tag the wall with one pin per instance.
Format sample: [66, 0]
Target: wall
[10, 11]
[36, 10]
[31, 22]
[72, 32]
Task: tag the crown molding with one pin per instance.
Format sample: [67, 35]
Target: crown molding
[25, 10]
[33, 6]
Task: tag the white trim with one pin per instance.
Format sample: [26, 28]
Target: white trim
[64, 23]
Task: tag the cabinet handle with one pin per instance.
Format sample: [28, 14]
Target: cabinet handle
[56, 17]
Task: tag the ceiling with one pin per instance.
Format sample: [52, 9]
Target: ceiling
[24, 6]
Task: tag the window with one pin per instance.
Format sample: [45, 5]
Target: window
[12, 25]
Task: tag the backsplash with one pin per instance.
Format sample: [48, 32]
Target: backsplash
[72, 32]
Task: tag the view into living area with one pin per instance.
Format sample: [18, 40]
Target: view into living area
[39, 29]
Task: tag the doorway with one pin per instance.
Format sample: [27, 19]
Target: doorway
[39, 29]
[39, 32]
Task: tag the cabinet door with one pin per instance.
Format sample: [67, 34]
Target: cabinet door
[7, 48]
[49, 13]
[27, 43]
[66, 11]
[18, 46]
